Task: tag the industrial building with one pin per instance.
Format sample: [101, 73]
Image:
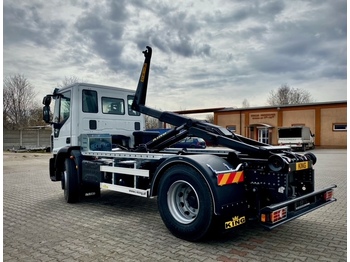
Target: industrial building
[327, 120]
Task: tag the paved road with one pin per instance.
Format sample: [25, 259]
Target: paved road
[39, 226]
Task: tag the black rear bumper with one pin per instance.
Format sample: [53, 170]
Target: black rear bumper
[295, 207]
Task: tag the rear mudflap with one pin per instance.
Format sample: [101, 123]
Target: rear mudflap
[227, 222]
[54, 175]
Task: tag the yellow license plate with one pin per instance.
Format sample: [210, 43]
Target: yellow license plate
[302, 165]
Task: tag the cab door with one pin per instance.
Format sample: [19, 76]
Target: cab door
[62, 131]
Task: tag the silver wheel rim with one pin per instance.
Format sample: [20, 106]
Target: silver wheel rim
[183, 202]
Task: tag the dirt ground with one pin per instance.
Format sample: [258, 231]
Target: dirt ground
[13, 160]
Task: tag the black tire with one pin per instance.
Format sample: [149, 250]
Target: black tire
[303, 147]
[70, 182]
[185, 203]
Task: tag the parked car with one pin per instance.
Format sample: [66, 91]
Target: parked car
[190, 142]
[297, 137]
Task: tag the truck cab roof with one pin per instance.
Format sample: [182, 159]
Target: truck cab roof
[92, 86]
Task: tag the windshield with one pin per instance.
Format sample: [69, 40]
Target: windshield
[289, 132]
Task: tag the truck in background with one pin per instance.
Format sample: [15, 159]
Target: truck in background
[99, 142]
[297, 137]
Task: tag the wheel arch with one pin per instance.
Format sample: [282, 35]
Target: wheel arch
[199, 163]
[66, 152]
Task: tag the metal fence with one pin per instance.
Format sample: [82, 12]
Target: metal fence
[30, 138]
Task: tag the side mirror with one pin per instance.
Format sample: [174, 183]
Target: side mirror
[47, 100]
[46, 113]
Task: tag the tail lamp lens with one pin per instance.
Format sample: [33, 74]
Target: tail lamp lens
[328, 195]
[278, 215]
[275, 216]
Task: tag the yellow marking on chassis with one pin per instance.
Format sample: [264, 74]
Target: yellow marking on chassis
[302, 165]
[236, 221]
[143, 72]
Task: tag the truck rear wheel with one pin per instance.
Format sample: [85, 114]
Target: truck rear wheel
[185, 203]
[70, 182]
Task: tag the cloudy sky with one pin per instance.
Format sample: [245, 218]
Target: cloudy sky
[206, 53]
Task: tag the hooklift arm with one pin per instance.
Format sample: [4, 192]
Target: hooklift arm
[185, 125]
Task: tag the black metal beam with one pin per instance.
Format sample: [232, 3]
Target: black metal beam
[216, 134]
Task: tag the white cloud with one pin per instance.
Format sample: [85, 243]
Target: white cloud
[205, 53]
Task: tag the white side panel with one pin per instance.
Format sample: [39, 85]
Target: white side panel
[125, 171]
[127, 190]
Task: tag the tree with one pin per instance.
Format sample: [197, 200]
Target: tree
[210, 118]
[285, 95]
[245, 103]
[69, 80]
[36, 116]
[18, 101]
[151, 122]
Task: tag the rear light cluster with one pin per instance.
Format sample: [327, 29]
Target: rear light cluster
[328, 195]
[275, 216]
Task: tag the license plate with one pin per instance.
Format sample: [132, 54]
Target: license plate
[302, 165]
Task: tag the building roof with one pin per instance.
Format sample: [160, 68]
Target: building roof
[284, 106]
[228, 109]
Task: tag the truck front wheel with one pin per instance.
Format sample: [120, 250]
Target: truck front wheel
[185, 203]
[70, 182]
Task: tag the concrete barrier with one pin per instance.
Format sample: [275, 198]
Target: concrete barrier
[28, 138]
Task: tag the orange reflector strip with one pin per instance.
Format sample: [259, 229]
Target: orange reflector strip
[230, 178]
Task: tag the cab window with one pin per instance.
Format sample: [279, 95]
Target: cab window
[130, 111]
[113, 106]
[90, 101]
[62, 108]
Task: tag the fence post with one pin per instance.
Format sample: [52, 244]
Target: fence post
[38, 138]
[20, 138]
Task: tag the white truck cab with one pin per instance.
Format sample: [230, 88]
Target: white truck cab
[103, 115]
